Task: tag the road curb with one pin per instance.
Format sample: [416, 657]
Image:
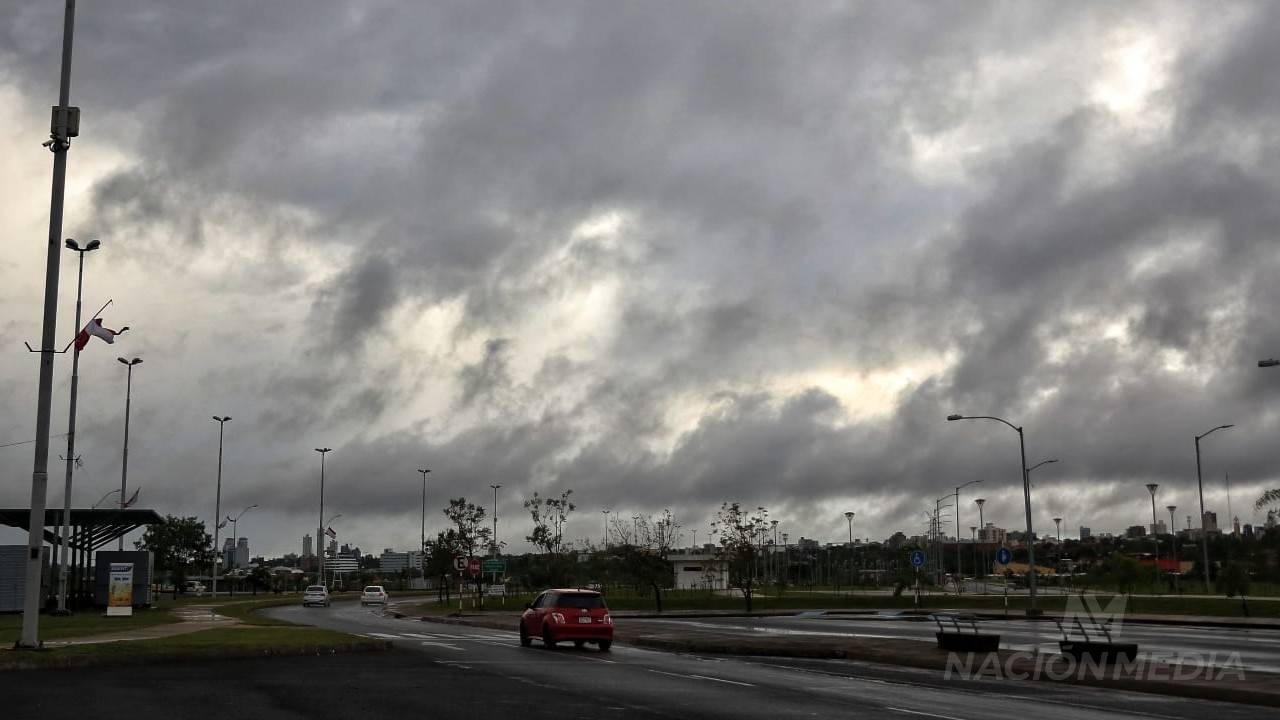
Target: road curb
[68, 662]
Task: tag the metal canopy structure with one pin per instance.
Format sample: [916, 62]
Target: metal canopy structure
[90, 529]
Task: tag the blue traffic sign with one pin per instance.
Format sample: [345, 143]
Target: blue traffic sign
[1004, 556]
[917, 558]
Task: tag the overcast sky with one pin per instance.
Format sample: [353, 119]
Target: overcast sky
[664, 254]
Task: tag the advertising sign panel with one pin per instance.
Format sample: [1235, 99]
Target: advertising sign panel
[120, 590]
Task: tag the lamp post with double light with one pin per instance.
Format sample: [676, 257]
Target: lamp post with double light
[65, 535]
[235, 535]
[217, 504]
[422, 540]
[320, 530]
[1155, 536]
[124, 462]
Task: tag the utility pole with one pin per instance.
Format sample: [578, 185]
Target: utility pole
[65, 125]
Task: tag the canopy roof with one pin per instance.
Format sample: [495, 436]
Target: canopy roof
[90, 529]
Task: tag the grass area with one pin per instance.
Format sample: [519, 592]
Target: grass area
[221, 643]
[86, 622]
[701, 600]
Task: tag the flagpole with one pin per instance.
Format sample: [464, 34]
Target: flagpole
[65, 125]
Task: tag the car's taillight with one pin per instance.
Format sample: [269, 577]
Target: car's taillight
[608, 620]
[558, 617]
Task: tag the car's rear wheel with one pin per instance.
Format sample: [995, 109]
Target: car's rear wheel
[547, 640]
[525, 640]
[604, 645]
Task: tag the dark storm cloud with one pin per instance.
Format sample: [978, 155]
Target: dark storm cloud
[759, 155]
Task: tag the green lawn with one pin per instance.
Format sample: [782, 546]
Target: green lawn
[87, 622]
[222, 643]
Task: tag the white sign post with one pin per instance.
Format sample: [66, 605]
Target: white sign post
[120, 590]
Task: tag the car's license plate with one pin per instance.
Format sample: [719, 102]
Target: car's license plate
[584, 620]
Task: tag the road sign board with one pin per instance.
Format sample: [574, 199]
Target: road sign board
[473, 566]
[1004, 556]
[917, 558]
[459, 563]
[493, 565]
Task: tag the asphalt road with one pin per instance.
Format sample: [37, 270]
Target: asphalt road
[637, 682]
[1257, 649]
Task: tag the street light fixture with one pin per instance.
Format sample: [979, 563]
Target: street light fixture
[606, 527]
[980, 502]
[495, 519]
[235, 535]
[422, 541]
[1271, 362]
[124, 463]
[849, 516]
[217, 503]
[65, 537]
[1026, 497]
[1151, 488]
[320, 530]
[1208, 581]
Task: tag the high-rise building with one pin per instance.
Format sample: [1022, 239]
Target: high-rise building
[242, 552]
[1085, 533]
[1159, 528]
[306, 546]
[333, 548]
[1210, 521]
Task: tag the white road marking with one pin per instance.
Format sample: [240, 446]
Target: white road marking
[699, 677]
[447, 645]
[385, 636]
[416, 636]
[925, 714]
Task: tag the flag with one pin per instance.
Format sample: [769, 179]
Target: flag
[133, 498]
[331, 533]
[95, 327]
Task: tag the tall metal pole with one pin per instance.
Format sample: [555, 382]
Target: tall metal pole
[124, 460]
[65, 535]
[59, 142]
[1204, 532]
[1155, 537]
[1031, 536]
[495, 519]
[422, 543]
[959, 563]
[982, 527]
[217, 506]
[849, 516]
[320, 536]
[606, 528]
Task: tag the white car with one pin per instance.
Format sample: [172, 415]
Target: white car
[373, 595]
[315, 595]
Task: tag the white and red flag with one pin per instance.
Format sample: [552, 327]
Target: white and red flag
[134, 497]
[97, 329]
[332, 535]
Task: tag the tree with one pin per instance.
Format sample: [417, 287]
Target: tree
[179, 545]
[646, 561]
[471, 532]
[549, 517]
[740, 534]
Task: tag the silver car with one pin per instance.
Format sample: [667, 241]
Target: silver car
[315, 595]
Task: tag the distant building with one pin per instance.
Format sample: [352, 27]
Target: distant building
[1085, 533]
[1271, 519]
[229, 554]
[806, 544]
[333, 548]
[993, 535]
[306, 546]
[1248, 530]
[1135, 531]
[1235, 525]
[242, 552]
[1210, 522]
[391, 561]
[700, 570]
[1159, 528]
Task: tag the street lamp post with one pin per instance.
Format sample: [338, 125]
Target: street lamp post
[235, 535]
[959, 563]
[1155, 537]
[124, 462]
[1058, 522]
[849, 516]
[606, 527]
[1208, 581]
[422, 541]
[1026, 498]
[217, 504]
[328, 523]
[980, 502]
[320, 530]
[495, 519]
[71, 430]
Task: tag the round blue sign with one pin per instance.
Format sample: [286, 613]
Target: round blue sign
[1004, 556]
[917, 558]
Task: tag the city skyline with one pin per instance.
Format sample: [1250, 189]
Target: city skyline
[609, 250]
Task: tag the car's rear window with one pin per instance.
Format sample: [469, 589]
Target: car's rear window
[585, 601]
[315, 588]
[373, 589]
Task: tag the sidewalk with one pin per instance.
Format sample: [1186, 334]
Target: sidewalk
[193, 618]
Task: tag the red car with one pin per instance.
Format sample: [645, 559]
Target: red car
[579, 616]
